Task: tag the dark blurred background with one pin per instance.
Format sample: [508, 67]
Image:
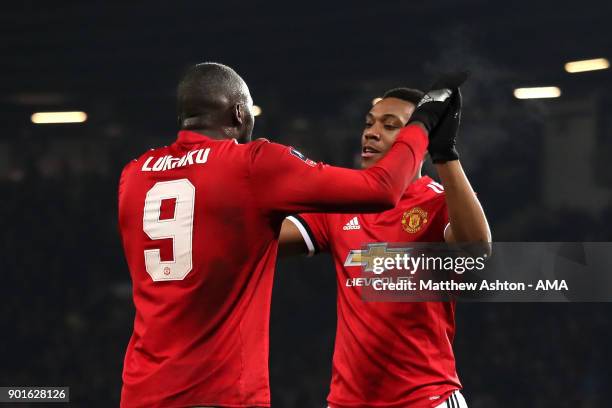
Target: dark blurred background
[541, 168]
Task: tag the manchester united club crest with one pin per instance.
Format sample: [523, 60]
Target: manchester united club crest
[414, 219]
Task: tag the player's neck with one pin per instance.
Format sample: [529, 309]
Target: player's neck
[211, 133]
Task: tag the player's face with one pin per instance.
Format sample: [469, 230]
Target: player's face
[383, 123]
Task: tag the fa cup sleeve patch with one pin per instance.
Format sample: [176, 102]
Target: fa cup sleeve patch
[301, 156]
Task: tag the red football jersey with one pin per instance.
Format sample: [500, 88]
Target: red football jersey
[387, 355]
[199, 222]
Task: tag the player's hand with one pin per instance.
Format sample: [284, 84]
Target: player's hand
[444, 137]
[434, 105]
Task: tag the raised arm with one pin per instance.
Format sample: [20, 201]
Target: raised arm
[468, 222]
[283, 181]
[467, 219]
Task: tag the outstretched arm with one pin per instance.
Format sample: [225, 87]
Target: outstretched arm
[282, 181]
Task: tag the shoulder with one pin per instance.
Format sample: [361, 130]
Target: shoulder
[432, 191]
[138, 161]
[263, 150]
[429, 196]
[261, 144]
[434, 199]
[433, 188]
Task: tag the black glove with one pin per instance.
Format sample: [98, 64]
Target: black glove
[442, 140]
[433, 106]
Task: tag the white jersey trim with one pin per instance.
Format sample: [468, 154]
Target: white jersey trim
[445, 228]
[438, 188]
[455, 400]
[305, 236]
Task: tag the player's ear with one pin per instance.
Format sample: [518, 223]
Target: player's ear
[238, 113]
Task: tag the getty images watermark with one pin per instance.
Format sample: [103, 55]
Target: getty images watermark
[412, 264]
[511, 272]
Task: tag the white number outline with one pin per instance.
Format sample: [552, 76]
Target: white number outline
[152, 207]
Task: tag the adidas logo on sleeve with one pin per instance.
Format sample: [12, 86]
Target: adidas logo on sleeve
[353, 224]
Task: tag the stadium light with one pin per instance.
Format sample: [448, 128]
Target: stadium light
[537, 92]
[41, 118]
[376, 100]
[256, 110]
[587, 65]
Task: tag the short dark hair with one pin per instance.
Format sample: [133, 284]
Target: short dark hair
[406, 94]
[204, 86]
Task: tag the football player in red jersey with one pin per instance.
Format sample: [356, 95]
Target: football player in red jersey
[199, 222]
[395, 355]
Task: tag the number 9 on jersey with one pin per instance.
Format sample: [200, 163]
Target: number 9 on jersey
[178, 228]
